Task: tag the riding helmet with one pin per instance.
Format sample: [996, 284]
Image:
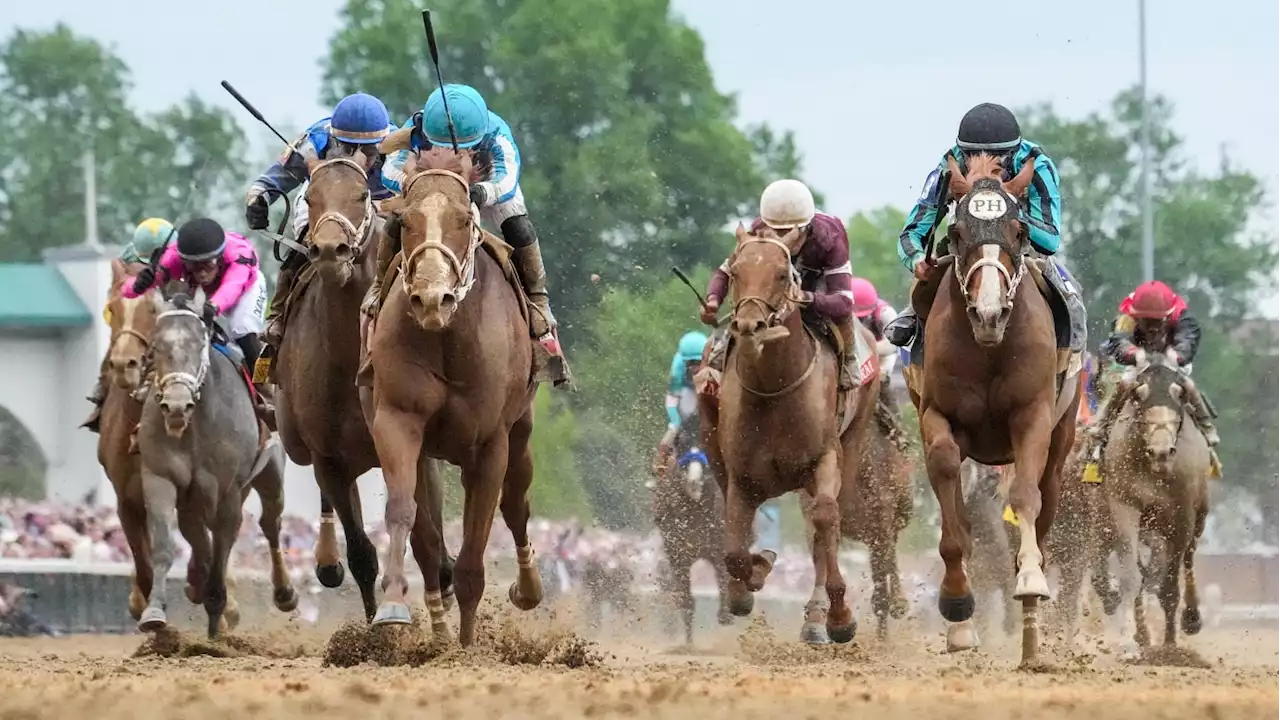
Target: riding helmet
[468, 109]
[361, 119]
[989, 127]
[201, 239]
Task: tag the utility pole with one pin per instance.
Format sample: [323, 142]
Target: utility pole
[1148, 223]
[90, 202]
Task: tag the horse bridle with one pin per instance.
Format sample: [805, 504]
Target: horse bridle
[1019, 259]
[776, 315]
[464, 269]
[358, 234]
[193, 382]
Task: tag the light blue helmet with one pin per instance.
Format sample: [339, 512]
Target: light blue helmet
[470, 116]
[361, 119]
[690, 349]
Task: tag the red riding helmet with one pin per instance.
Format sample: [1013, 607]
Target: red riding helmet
[1152, 300]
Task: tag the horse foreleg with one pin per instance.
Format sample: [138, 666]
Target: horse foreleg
[682, 592]
[526, 592]
[161, 500]
[338, 487]
[428, 543]
[1191, 621]
[397, 435]
[226, 526]
[133, 521]
[191, 523]
[739, 515]
[826, 520]
[814, 630]
[270, 486]
[329, 570]
[1126, 522]
[955, 599]
[482, 481]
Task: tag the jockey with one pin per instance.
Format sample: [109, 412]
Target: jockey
[148, 237]
[875, 314]
[499, 198]
[990, 129]
[1153, 319]
[226, 266]
[359, 122]
[683, 364]
[823, 261]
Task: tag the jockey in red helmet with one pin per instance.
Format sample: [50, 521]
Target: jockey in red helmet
[1154, 319]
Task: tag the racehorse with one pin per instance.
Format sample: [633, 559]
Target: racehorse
[777, 427]
[318, 410]
[131, 320]
[452, 379]
[989, 387]
[688, 511]
[1156, 469]
[201, 450]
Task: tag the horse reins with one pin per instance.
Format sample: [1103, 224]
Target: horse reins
[358, 234]
[464, 269]
[776, 317]
[193, 382]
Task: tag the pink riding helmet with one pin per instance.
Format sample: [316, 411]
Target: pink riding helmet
[865, 298]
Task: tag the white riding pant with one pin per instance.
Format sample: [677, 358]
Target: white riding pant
[248, 316]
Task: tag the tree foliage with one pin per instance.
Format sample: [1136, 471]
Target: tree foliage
[62, 95]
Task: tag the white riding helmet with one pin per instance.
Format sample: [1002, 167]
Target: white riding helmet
[786, 204]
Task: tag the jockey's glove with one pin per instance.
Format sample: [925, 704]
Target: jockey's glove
[144, 280]
[255, 207]
[483, 194]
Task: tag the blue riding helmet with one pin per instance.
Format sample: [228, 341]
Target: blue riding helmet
[690, 348]
[361, 119]
[470, 116]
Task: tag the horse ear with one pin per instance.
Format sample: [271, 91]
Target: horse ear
[793, 239]
[392, 205]
[1143, 391]
[401, 139]
[118, 274]
[740, 233]
[959, 186]
[158, 301]
[1017, 187]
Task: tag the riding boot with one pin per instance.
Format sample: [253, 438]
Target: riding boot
[527, 256]
[1202, 413]
[97, 396]
[274, 331]
[388, 246]
[848, 358]
[251, 346]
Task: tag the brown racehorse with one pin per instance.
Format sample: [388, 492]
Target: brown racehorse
[452, 365]
[875, 505]
[318, 408]
[988, 389]
[775, 428]
[688, 511]
[132, 321]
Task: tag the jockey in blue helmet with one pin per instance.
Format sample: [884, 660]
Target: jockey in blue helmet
[683, 365]
[358, 123]
[499, 197]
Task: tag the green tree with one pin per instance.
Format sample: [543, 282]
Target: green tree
[62, 95]
[873, 250]
[631, 158]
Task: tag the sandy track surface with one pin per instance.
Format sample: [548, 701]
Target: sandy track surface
[532, 668]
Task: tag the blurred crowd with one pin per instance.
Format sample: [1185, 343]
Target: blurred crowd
[569, 552]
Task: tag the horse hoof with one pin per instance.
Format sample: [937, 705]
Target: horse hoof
[961, 636]
[1031, 584]
[1191, 622]
[331, 576]
[844, 634]
[152, 620]
[521, 602]
[956, 609]
[285, 599]
[231, 616]
[814, 634]
[194, 595]
[741, 607]
[392, 614]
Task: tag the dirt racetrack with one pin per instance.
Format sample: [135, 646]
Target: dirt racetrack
[748, 671]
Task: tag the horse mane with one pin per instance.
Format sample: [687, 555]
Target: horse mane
[439, 158]
[983, 166]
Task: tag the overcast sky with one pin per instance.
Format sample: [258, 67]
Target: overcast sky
[848, 76]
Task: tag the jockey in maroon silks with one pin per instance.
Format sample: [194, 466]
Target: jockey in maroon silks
[826, 277]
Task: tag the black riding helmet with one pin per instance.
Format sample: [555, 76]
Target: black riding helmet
[200, 240]
[989, 128]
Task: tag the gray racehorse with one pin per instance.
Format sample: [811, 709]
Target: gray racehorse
[199, 440]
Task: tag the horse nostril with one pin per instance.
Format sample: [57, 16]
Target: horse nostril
[448, 300]
[313, 253]
[164, 407]
[343, 250]
[189, 407]
[759, 326]
[416, 303]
